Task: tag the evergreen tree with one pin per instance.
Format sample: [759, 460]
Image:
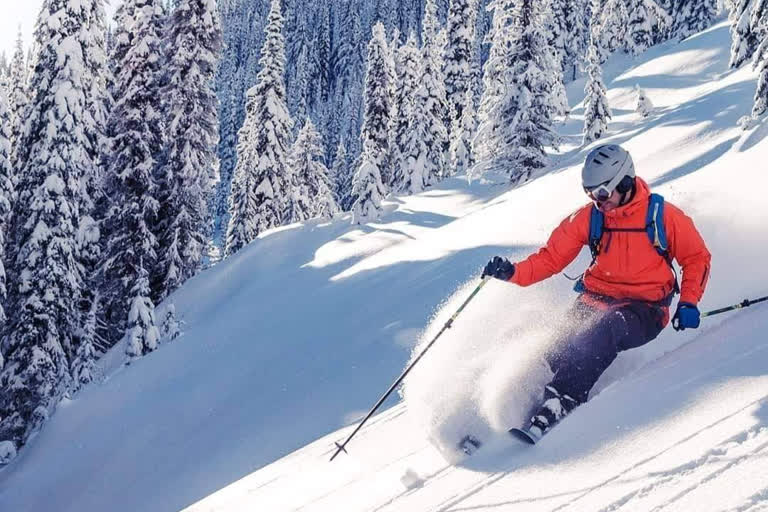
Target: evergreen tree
[597, 113]
[136, 128]
[629, 25]
[261, 180]
[368, 187]
[84, 369]
[368, 191]
[17, 93]
[463, 131]
[56, 150]
[6, 198]
[143, 334]
[378, 103]
[556, 25]
[761, 65]
[423, 153]
[692, 16]
[519, 101]
[643, 16]
[190, 169]
[348, 69]
[458, 55]
[576, 17]
[746, 32]
[435, 107]
[644, 104]
[409, 66]
[341, 177]
[311, 188]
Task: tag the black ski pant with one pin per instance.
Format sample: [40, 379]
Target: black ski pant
[600, 328]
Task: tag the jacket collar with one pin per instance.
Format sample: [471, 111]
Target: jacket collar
[642, 193]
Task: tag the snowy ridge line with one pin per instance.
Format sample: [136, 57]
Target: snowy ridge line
[690, 468]
[662, 452]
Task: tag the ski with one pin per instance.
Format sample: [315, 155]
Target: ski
[524, 436]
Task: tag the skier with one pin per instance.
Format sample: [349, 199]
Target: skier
[626, 291]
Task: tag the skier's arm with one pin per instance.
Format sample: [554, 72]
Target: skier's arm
[564, 244]
[688, 248]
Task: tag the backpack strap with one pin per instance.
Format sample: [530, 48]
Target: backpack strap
[657, 233]
[654, 227]
[596, 219]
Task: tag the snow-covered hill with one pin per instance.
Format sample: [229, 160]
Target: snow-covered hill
[297, 335]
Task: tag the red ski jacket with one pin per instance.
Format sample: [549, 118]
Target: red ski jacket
[628, 266]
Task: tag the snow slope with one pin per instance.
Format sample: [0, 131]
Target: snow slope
[298, 334]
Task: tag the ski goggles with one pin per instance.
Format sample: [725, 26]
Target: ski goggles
[600, 193]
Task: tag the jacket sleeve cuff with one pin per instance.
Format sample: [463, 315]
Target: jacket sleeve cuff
[689, 298]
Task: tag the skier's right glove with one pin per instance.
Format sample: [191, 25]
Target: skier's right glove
[687, 316]
[500, 268]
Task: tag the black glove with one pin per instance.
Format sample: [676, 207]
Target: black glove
[687, 316]
[500, 268]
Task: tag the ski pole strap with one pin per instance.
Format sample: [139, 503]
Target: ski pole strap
[743, 304]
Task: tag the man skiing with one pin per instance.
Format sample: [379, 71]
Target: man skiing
[627, 290]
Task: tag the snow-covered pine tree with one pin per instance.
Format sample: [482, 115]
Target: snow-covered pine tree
[628, 25]
[311, 188]
[190, 168]
[608, 26]
[692, 16]
[644, 104]
[576, 22]
[377, 113]
[409, 65]
[515, 118]
[368, 187]
[597, 112]
[261, 180]
[6, 198]
[143, 334]
[556, 26]
[341, 177]
[84, 368]
[458, 55]
[56, 150]
[463, 131]
[747, 30]
[643, 16]
[136, 127]
[348, 69]
[368, 191]
[435, 106]
[18, 98]
[4, 71]
[228, 82]
[760, 104]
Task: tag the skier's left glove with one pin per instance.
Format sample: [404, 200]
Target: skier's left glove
[500, 268]
[687, 316]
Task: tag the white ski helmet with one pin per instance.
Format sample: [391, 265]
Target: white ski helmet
[606, 167]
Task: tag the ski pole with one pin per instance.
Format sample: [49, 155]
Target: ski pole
[340, 447]
[743, 304]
